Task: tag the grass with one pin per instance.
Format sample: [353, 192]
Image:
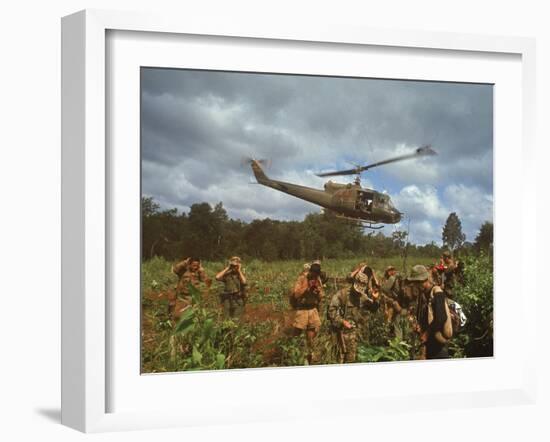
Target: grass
[262, 338]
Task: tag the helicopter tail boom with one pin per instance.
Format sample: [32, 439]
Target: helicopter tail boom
[259, 173]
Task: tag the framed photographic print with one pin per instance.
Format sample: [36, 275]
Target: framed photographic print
[249, 211]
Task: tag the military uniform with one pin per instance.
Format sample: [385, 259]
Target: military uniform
[394, 306]
[186, 276]
[234, 296]
[306, 297]
[448, 271]
[349, 304]
[306, 301]
[447, 276]
[433, 316]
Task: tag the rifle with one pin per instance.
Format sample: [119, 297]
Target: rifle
[341, 343]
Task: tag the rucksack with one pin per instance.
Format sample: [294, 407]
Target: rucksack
[446, 331]
[458, 318]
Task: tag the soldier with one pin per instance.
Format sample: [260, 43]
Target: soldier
[189, 271]
[390, 288]
[434, 272]
[399, 300]
[323, 274]
[305, 299]
[433, 315]
[345, 312]
[233, 297]
[447, 268]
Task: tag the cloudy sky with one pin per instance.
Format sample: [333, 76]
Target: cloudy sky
[197, 126]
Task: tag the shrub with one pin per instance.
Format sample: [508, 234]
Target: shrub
[475, 296]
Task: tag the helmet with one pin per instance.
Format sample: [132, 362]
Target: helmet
[418, 273]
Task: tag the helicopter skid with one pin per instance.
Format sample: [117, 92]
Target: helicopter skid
[368, 225]
[365, 224]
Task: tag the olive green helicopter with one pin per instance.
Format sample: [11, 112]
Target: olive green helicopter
[350, 201]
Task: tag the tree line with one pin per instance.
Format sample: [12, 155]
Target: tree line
[208, 233]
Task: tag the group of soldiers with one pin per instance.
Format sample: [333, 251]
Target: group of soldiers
[190, 272]
[418, 308]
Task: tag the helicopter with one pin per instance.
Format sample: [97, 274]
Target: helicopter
[350, 201]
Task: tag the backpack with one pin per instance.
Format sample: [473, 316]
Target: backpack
[458, 318]
[446, 332]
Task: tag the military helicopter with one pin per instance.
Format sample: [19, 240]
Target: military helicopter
[347, 201]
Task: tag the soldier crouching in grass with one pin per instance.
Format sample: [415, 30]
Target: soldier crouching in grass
[305, 299]
[345, 312]
[189, 271]
[233, 297]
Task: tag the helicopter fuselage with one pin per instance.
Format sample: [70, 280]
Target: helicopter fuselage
[345, 200]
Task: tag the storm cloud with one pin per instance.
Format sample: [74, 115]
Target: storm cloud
[197, 126]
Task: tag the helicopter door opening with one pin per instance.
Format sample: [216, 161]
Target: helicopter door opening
[364, 201]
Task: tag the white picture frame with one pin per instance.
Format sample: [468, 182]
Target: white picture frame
[86, 209]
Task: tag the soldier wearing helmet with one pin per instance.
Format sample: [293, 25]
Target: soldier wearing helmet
[346, 308]
[233, 297]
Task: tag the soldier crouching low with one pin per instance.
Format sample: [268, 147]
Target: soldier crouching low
[345, 312]
[233, 297]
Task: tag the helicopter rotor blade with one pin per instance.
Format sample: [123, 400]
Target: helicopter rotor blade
[245, 161]
[339, 172]
[419, 152]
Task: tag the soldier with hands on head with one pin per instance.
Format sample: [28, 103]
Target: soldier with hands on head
[346, 309]
[233, 297]
[189, 272]
[306, 297]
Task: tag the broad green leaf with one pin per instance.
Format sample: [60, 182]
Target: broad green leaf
[184, 327]
[220, 360]
[196, 356]
[195, 293]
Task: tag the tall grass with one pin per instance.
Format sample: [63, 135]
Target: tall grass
[203, 339]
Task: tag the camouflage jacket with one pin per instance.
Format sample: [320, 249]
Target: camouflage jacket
[232, 283]
[349, 305]
[186, 276]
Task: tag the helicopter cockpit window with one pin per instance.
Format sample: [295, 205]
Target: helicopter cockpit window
[384, 201]
[364, 201]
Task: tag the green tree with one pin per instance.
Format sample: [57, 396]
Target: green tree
[452, 235]
[484, 238]
[205, 231]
